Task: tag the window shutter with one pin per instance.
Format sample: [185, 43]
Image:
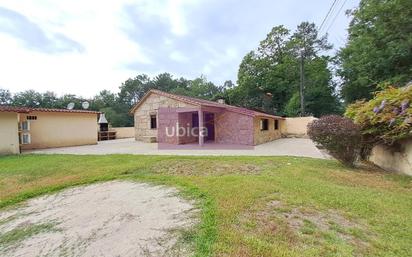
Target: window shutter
[25, 138]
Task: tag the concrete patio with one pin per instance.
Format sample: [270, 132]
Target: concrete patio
[281, 147]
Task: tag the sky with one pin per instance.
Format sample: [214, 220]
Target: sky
[85, 46]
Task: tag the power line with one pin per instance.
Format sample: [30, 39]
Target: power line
[327, 15]
[336, 16]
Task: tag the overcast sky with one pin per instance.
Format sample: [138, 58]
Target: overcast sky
[83, 46]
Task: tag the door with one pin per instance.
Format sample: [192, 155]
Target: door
[209, 123]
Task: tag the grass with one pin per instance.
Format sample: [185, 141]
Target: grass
[250, 206]
[20, 233]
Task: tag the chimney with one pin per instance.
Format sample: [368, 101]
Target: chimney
[103, 124]
[221, 101]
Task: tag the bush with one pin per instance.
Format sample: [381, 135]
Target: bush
[339, 135]
[386, 118]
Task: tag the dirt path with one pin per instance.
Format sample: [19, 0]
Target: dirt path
[108, 219]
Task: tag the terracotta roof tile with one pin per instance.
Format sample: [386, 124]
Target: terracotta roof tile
[202, 102]
[19, 109]
[5, 108]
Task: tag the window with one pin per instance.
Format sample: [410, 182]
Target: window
[195, 120]
[25, 139]
[153, 122]
[276, 124]
[24, 125]
[264, 124]
[31, 117]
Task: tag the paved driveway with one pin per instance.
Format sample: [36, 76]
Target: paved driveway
[281, 147]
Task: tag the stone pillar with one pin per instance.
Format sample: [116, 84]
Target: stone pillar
[201, 129]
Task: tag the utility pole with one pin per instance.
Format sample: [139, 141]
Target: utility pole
[302, 85]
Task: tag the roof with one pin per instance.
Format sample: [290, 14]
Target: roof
[206, 103]
[20, 109]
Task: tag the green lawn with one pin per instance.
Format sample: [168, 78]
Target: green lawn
[251, 206]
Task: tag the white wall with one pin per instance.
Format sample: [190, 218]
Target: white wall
[396, 159]
[9, 135]
[297, 126]
[59, 129]
[124, 132]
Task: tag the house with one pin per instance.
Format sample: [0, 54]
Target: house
[24, 128]
[158, 111]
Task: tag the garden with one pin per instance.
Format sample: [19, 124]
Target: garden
[248, 206]
[384, 120]
[257, 206]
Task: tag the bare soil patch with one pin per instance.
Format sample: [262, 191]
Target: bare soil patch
[116, 218]
[302, 227]
[205, 167]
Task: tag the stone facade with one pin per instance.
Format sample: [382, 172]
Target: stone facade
[185, 121]
[152, 103]
[234, 128]
[167, 118]
[263, 136]
[229, 127]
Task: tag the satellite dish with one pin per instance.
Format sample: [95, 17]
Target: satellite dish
[70, 106]
[85, 105]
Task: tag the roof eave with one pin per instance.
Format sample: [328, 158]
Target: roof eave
[269, 116]
[153, 91]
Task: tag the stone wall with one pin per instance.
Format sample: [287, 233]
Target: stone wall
[143, 132]
[185, 121]
[263, 136]
[397, 158]
[230, 127]
[233, 128]
[167, 120]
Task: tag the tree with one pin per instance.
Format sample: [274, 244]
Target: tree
[306, 41]
[5, 97]
[306, 44]
[202, 88]
[28, 98]
[69, 98]
[104, 99]
[132, 91]
[49, 100]
[117, 106]
[166, 82]
[247, 92]
[320, 96]
[274, 46]
[268, 79]
[228, 84]
[117, 118]
[378, 48]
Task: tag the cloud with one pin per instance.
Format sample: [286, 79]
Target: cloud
[171, 12]
[82, 47]
[33, 36]
[100, 64]
[178, 57]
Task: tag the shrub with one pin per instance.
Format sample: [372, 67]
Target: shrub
[339, 135]
[386, 118]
